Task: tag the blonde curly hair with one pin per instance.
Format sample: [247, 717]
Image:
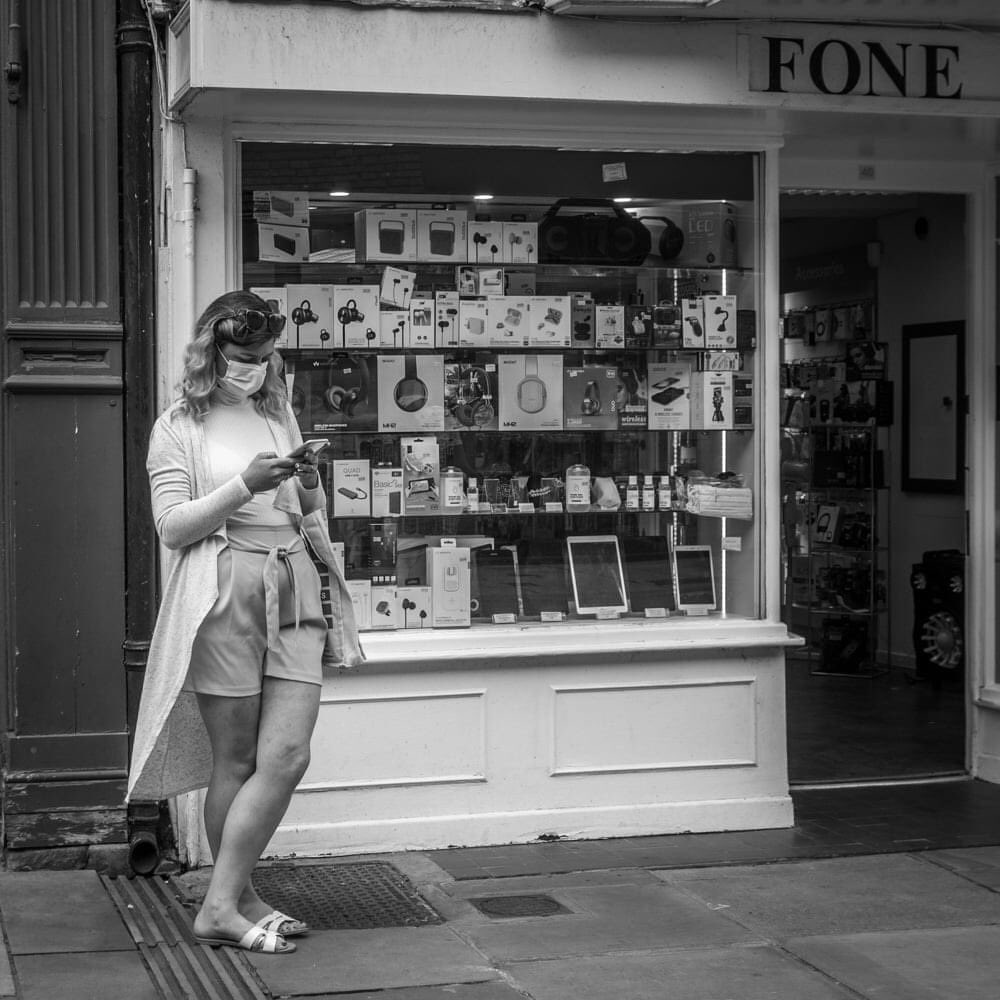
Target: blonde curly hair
[220, 324]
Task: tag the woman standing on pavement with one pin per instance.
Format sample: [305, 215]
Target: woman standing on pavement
[232, 685]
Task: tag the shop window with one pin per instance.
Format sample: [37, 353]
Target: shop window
[534, 370]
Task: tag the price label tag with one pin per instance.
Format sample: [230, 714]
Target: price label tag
[553, 507]
[656, 612]
[614, 172]
[732, 543]
[552, 616]
[607, 615]
[505, 619]
[526, 508]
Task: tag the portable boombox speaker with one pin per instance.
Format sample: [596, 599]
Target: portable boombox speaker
[591, 231]
[938, 583]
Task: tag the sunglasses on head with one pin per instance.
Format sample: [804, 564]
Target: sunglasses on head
[253, 321]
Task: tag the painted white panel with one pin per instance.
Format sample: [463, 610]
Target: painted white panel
[653, 727]
[398, 739]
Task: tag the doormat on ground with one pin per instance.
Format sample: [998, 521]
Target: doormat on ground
[344, 896]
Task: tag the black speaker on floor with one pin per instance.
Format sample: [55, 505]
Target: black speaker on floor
[938, 583]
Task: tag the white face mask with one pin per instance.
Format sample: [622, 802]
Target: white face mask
[241, 377]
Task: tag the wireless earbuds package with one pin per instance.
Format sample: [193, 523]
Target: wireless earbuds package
[531, 392]
[590, 398]
[550, 320]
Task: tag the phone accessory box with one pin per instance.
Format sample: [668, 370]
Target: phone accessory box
[473, 317]
[508, 321]
[421, 475]
[344, 394]
[610, 325]
[288, 208]
[531, 392]
[669, 396]
[484, 244]
[387, 490]
[720, 321]
[385, 234]
[442, 235]
[356, 313]
[310, 317]
[411, 392]
[712, 401]
[351, 488]
[470, 389]
[282, 243]
[550, 321]
[590, 398]
[449, 570]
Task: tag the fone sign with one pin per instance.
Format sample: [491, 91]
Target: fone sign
[857, 66]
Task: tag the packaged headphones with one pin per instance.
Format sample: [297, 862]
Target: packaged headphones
[531, 391]
[591, 231]
[591, 396]
[349, 395]
[410, 392]
[470, 395]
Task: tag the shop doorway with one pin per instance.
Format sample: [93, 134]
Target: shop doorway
[874, 294]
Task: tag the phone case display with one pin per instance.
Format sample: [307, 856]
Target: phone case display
[531, 407]
[837, 404]
[411, 392]
[531, 392]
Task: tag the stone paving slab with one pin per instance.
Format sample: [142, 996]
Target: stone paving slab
[746, 973]
[978, 864]
[606, 919]
[956, 963]
[841, 896]
[460, 991]
[94, 976]
[470, 888]
[6, 973]
[59, 911]
[355, 961]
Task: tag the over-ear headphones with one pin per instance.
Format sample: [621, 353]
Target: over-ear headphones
[411, 392]
[476, 408]
[339, 399]
[531, 392]
[590, 405]
[303, 314]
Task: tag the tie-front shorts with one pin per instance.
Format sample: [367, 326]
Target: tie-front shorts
[232, 650]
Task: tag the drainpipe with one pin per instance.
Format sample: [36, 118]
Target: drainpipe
[138, 277]
[185, 216]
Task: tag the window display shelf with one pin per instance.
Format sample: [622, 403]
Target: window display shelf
[553, 422]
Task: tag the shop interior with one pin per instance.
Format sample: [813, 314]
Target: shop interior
[873, 295]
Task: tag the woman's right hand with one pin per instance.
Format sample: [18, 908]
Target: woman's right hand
[267, 471]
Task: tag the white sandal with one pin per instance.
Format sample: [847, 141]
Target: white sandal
[274, 921]
[257, 939]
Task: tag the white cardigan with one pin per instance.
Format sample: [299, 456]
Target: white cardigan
[171, 752]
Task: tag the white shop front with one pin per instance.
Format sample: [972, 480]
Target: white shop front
[614, 663]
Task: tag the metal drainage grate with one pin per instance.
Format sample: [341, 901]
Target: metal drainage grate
[504, 907]
[344, 896]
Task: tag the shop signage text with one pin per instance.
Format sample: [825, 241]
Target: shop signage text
[846, 66]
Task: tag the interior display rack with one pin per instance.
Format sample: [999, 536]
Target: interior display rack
[555, 423]
[837, 404]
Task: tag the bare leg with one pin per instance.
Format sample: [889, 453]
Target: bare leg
[287, 715]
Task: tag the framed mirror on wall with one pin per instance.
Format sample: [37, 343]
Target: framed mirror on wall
[933, 407]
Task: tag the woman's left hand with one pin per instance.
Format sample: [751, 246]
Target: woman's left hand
[306, 467]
